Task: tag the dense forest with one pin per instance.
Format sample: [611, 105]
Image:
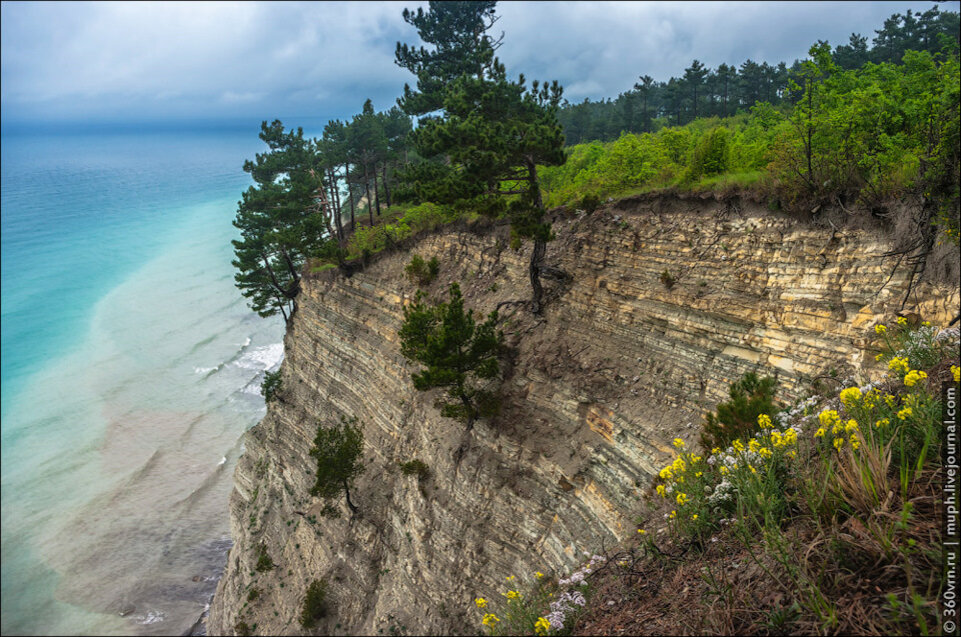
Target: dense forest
[850, 127]
[731, 88]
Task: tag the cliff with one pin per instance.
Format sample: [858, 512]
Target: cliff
[670, 300]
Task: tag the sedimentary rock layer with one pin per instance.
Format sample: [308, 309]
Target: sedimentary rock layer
[666, 305]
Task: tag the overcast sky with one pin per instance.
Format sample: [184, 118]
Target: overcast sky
[148, 61]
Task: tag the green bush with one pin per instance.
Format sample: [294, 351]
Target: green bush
[315, 604]
[420, 271]
[253, 594]
[242, 629]
[264, 563]
[710, 155]
[272, 385]
[415, 468]
[737, 418]
[590, 202]
[668, 279]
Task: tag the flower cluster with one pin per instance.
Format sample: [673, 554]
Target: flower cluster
[572, 600]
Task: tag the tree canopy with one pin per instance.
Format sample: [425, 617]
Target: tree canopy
[338, 451]
[456, 353]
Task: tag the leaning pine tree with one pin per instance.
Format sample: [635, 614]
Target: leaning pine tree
[495, 133]
[456, 353]
[278, 224]
[338, 450]
[484, 135]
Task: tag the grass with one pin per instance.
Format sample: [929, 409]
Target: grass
[823, 519]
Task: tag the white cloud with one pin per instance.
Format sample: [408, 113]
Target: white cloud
[118, 59]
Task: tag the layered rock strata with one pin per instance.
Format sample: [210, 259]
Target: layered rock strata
[668, 302]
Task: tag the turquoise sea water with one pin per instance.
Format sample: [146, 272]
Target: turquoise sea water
[131, 366]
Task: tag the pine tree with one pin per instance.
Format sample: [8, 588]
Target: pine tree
[277, 221]
[456, 353]
[338, 450]
[456, 31]
[495, 133]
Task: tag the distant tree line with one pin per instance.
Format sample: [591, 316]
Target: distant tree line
[729, 89]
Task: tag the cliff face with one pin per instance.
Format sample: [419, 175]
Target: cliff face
[669, 302]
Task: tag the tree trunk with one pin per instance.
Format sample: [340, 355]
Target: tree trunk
[370, 209]
[335, 205]
[350, 504]
[376, 191]
[386, 189]
[540, 245]
[350, 194]
[470, 411]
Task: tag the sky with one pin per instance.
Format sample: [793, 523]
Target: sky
[141, 62]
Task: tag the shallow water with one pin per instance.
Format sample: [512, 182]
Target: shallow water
[131, 368]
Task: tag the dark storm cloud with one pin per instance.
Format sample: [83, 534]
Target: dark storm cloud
[174, 60]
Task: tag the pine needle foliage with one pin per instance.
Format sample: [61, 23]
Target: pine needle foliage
[456, 353]
[751, 396]
[338, 451]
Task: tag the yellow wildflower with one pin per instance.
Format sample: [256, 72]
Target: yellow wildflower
[673, 515]
[751, 467]
[880, 329]
[913, 377]
[899, 365]
[819, 433]
[481, 602]
[723, 470]
[753, 445]
[925, 323]
[682, 498]
[850, 396]
[661, 491]
[902, 321]
[828, 417]
[738, 445]
[490, 619]
[538, 574]
[956, 373]
[764, 421]
[905, 413]
[642, 531]
[765, 452]
[852, 425]
[838, 443]
[541, 626]
[678, 443]
[666, 473]
[792, 453]
[513, 595]
[694, 517]
[884, 422]
[855, 443]
[717, 450]
[698, 474]
[879, 357]
[776, 439]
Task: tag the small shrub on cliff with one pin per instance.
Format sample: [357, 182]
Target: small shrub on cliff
[667, 279]
[243, 629]
[738, 418]
[315, 604]
[415, 468]
[253, 594]
[420, 271]
[456, 352]
[338, 450]
[271, 386]
[264, 563]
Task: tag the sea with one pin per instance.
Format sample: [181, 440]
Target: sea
[131, 368]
